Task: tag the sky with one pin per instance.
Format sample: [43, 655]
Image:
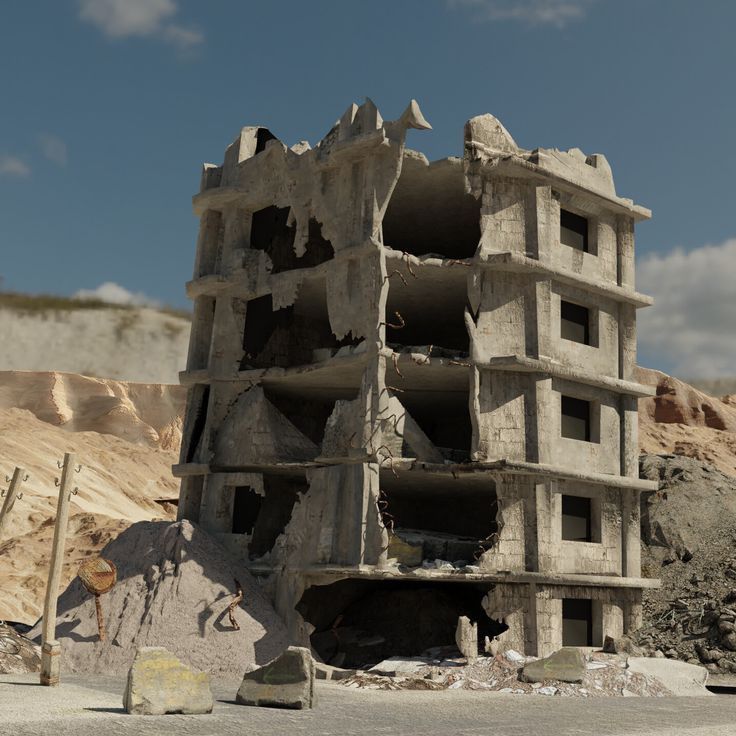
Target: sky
[109, 108]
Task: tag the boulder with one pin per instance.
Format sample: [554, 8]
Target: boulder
[18, 655]
[566, 665]
[159, 683]
[621, 645]
[285, 682]
[680, 678]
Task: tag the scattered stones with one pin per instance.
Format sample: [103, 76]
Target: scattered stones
[547, 690]
[566, 664]
[466, 638]
[513, 656]
[285, 682]
[159, 683]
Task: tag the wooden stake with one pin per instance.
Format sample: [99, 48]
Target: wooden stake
[50, 650]
[100, 619]
[10, 497]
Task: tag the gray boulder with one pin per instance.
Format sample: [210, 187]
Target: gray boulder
[285, 682]
[566, 665]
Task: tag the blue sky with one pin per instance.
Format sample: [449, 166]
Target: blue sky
[111, 106]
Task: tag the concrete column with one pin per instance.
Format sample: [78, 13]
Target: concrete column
[629, 423]
[209, 244]
[201, 335]
[236, 238]
[626, 341]
[546, 430]
[190, 498]
[625, 250]
[547, 235]
[216, 514]
[630, 533]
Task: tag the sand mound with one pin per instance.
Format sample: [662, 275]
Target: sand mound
[684, 421]
[141, 413]
[174, 586]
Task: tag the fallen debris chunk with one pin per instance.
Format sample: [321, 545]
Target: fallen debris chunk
[159, 683]
[285, 682]
[566, 665]
[466, 638]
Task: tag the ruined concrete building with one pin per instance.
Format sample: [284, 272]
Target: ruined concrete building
[410, 387]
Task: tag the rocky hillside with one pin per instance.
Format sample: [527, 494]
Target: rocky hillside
[92, 338]
[125, 435]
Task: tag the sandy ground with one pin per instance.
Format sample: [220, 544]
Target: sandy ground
[131, 344]
[88, 706]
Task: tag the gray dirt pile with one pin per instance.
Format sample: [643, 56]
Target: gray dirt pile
[689, 542]
[175, 583]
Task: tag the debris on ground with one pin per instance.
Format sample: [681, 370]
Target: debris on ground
[18, 655]
[604, 675]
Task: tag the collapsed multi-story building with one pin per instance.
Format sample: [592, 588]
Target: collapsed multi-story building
[411, 390]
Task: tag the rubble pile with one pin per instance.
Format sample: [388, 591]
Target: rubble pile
[689, 542]
[444, 669]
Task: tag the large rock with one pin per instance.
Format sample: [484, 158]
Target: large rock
[621, 645]
[285, 682]
[680, 678]
[566, 664]
[158, 683]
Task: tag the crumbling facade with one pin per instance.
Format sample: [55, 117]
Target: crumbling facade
[410, 387]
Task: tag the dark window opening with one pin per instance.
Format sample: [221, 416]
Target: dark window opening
[444, 416]
[265, 517]
[574, 231]
[577, 519]
[289, 336]
[430, 213]
[574, 322]
[199, 405]
[432, 309]
[575, 419]
[359, 622]
[577, 622]
[246, 506]
[270, 233]
[447, 519]
[263, 136]
[308, 415]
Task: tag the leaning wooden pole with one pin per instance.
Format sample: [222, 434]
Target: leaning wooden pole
[50, 648]
[10, 497]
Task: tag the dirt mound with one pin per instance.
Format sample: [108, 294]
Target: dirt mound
[689, 542]
[175, 583]
[684, 421]
[141, 413]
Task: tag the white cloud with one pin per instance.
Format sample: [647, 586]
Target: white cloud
[693, 321]
[14, 166]
[142, 18]
[532, 12]
[116, 294]
[53, 148]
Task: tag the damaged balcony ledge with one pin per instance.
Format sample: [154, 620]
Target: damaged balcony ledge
[518, 467]
[513, 164]
[340, 371]
[414, 367]
[518, 262]
[554, 369]
[332, 572]
[237, 282]
[184, 470]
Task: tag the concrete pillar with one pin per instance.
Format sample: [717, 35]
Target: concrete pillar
[630, 533]
[190, 498]
[625, 250]
[209, 244]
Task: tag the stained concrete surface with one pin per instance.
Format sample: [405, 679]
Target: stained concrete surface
[85, 705]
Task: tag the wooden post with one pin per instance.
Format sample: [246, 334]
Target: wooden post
[10, 497]
[50, 648]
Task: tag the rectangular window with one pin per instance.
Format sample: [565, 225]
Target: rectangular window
[576, 519]
[573, 230]
[575, 423]
[574, 322]
[577, 622]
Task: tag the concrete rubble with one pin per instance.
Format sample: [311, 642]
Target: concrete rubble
[285, 682]
[411, 387]
[565, 665]
[159, 683]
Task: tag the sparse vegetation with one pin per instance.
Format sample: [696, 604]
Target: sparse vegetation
[45, 303]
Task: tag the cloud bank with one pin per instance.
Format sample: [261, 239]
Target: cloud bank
[557, 13]
[115, 294]
[139, 18]
[692, 324]
[14, 166]
[53, 148]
